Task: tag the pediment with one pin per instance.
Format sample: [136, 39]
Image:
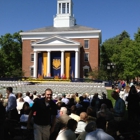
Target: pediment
[56, 40]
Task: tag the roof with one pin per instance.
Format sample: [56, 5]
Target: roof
[63, 29]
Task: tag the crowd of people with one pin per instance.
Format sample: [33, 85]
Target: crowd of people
[71, 117]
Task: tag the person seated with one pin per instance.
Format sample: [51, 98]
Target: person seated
[104, 112]
[73, 114]
[91, 111]
[68, 132]
[89, 128]
[61, 122]
[82, 123]
[106, 101]
[99, 132]
[24, 115]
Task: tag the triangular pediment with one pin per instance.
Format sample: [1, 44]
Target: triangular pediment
[56, 40]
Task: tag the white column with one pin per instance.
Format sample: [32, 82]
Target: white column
[57, 8]
[70, 8]
[48, 64]
[76, 64]
[61, 8]
[35, 64]
[62, 63]
[66, 8]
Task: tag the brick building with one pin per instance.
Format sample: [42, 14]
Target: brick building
[64, 49]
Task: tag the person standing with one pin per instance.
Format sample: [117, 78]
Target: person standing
[119, 108]
[45, 112]
[11, 110]
[133, 100]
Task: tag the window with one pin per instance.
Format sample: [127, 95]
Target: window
[86, 57]
[86, 71]
[59, 8]
[63, 8]
[32, 71]
[67, 7]
[32, 57]
[86, 44]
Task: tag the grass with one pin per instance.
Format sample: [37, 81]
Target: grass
[110, 97]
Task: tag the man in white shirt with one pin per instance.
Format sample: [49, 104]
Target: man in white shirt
[12, 104]
[64, 99]
[82, 123]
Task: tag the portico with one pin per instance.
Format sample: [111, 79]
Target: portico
[57, 64]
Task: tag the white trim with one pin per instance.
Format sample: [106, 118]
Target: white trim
[69, 36]
[56, 37]
[56, 48]
[61, 32]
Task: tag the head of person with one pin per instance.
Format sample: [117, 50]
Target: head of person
[48, 95]
[26, 106]
[27, 93]
[104, 95]
[19, 95]
[73, 109]
[63, 95]
[83, 116]
[34, 92]
[91, 126]
[31, 96]
[1, 96]
[95, 95]
[63, 111]
[76, 94]
[90, 111]
[9, 90]
[59, 105]
[72, 124]
[115, 95]
[133, 90]
[103, 106]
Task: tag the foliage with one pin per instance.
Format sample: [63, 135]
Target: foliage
[11, 55]
[98, 73]
[124, 53]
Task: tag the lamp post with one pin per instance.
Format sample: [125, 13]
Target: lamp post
[110, 67]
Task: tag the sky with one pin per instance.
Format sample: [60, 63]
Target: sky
[112, 17]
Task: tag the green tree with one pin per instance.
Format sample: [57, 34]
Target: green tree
[112, 52]
[11, 54]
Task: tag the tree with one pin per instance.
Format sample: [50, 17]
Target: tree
[112, 51]
[11, 54]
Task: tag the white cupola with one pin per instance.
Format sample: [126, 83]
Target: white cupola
[64, 16]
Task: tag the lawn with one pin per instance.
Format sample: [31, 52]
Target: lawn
[109, 96]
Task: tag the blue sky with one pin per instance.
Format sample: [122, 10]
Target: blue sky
[110, 16]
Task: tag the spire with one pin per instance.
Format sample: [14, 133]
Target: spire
[64, 16]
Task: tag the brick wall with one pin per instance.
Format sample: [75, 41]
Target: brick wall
[26, 57]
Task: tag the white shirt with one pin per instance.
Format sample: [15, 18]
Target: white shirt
[12, 102]
[98, 134]
[80, 127]
[65, 100]
[66, 135]
[28, 100]
[19, 106]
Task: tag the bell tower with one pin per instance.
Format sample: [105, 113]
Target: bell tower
[64, 16]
